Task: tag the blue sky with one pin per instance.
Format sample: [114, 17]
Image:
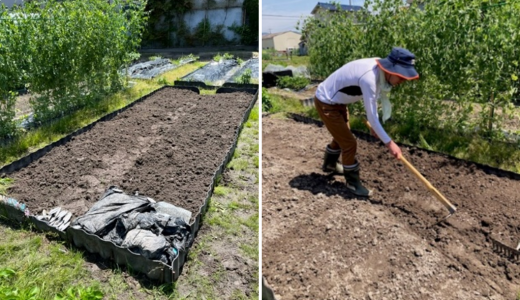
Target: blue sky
[292, 11]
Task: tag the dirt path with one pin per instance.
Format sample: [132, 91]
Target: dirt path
[319, 242]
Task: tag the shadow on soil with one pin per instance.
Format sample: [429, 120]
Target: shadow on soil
[321, 183]
[327, 184]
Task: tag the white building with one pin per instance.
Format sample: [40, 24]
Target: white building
[321, 10]
[281, 41]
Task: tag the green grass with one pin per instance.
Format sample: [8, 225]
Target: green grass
[238, 164]
[471, 148]
[208, 92]
[39, 138]
[168, 78]
[221, 190]
[284, 104]
[283, 61]
[5, 183]
[293, 83]
[186, 57]
[29, 261]
[37, 266]
[251, 222]
[231, 223]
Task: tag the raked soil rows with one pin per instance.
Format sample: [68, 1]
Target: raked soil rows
[319, 242]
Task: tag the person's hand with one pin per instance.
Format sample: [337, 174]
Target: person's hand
[394, 149]
[373, 133]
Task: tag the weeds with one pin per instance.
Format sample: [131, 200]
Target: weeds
[217, 57]
[5, 183]
[162, 81]
[266, 56]
[80, 293]
[293, 83]
[225, 56]
[267, 103]
[245, 78]
[189, 57]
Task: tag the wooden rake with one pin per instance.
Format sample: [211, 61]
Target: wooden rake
[451, 208]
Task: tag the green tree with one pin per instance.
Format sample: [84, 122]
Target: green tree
[467, 52]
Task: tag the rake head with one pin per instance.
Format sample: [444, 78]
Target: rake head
[503, 249]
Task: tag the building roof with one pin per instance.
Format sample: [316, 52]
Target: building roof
[333, 7]
[272, 35]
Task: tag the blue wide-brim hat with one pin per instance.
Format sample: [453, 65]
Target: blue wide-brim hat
[399, 62]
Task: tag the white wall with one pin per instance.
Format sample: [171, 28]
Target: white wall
[287, 40]
[268, 44]
[216, 17]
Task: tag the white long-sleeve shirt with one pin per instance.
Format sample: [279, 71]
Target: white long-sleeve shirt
[352, 82]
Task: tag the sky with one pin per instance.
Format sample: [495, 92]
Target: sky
[283, 15]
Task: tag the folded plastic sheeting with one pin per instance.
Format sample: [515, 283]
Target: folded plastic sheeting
[151, 69]
[113, 204]
[132, 222]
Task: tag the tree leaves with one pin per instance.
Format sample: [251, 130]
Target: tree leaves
[465, 53]
[67, 53]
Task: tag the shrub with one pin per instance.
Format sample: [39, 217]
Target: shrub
[245, 78]
[266, 101]
[294, 83]
[266, 56]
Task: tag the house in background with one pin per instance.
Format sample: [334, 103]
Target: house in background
[321, 9]
[281, 41]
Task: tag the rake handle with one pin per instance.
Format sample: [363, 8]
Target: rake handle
[430, 187]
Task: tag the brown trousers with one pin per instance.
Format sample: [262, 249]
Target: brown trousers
[335, 118]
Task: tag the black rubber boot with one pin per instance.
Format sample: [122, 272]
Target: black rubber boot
[330, 162]
[354, 183]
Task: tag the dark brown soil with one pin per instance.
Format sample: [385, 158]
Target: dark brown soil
[319, 242]
[167, 147]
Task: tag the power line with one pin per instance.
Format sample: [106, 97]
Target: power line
[281, 16]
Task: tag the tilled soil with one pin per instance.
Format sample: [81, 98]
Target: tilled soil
[320, 242]
[167, 147]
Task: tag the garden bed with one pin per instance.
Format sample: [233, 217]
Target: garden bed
[170, 146]
[320, 242]
[211, 76]
[234, 81]
[153, 68]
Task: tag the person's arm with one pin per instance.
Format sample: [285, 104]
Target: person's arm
[368, 88]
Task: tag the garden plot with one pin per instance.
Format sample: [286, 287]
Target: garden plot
[319, 242]
[167, 147]
[153, 68]
[212, 75]
[237, 79]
